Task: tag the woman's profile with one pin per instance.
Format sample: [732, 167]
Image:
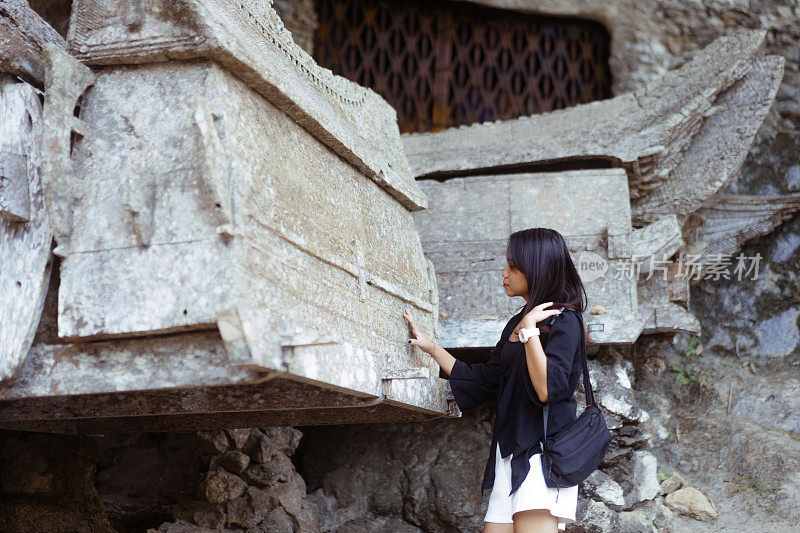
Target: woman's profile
[532, 365]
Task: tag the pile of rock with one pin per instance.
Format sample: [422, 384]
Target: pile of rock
[624, 494]
[613, 496]
[251, 485]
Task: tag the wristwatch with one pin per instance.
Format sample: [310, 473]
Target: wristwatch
[527, 333]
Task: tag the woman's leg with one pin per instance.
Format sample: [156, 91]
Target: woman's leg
[497, 527]
[535, 521]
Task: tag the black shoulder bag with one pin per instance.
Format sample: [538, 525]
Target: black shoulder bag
[572, 454]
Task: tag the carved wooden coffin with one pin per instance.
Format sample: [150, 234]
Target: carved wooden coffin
[235, 230]
[648, 132]
[465, 230]
[249, 40]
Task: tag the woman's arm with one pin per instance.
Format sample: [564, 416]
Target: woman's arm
[444, 358]
[472, 385]
[475, 384]
[535, 358]
[549, 368]
[537, 366]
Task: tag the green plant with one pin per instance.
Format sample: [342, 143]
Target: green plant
[742, 483]
[738, 483]
[761, 489]
[662, 476]
[686, 371]
[692, 349]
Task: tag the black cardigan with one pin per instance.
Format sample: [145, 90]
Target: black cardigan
[518, 417]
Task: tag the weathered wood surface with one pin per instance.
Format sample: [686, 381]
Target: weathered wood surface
[727, 221]
[15, 201]
[667, 296]
[657, 241]
[17, 138]
[662, 287]
[718, 150]
[250, 41]
[186, 375]
[25, 233]
[219, 210]
[131, 291]
[22, 34]
[66, 81]
[379, 413]
[465, 230]
[165, 362]
[646, 131]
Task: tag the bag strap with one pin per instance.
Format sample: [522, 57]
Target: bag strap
[587, 385]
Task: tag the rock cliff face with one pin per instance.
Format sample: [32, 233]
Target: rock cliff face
[429, 475]
[46, 484]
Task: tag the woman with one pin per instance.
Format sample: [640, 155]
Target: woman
[524, 376]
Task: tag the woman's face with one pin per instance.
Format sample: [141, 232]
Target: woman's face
[514, 281]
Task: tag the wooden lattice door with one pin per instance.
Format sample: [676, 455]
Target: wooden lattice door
[442, 64]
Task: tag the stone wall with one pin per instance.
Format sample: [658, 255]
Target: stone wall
[251, 484]
[426, 477]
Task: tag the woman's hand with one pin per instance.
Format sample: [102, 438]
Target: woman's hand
[418, 339]
[536, 315]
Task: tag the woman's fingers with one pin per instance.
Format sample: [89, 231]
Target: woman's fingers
[417, 338]
[410, 320]
[411, 323]
[418, 342]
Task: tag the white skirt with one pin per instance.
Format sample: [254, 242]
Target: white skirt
[532, 494]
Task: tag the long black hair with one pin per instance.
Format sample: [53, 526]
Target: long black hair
[542, 255]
